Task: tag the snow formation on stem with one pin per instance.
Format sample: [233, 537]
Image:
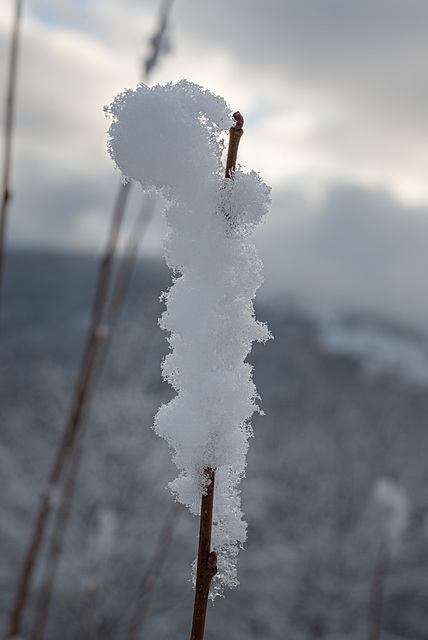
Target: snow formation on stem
[170, 138]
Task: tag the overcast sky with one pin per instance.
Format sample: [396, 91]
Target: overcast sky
[335, 99]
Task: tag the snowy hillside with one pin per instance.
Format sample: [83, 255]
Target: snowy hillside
[311, 493]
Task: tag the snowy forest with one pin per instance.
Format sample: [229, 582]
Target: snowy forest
[305, 424]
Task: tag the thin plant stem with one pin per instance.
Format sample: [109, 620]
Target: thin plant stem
[235, 135]
[48, 498]
[53, 556]
[9, 121]
[377, 590]
[158, 39]
[123, 279]
[207, 559]
[151, 576]
[89, 360]
[95, 362]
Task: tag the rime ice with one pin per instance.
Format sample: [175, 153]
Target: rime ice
[171, 138]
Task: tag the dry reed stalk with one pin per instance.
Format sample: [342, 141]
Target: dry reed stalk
[151, 576]
[207, 559]
[47, 502]
[158, 39]
[9, 121]
[235, 135]
[45, 591]
[72, 457]
[101, 334]
[87, 365]
[122, 281]
[377, 590]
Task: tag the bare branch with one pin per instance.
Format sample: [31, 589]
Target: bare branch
[10, 113]
[207, 559]
[235, 135]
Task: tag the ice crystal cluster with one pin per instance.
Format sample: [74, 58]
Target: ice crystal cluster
[171, 138]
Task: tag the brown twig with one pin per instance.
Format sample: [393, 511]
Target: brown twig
[72, 457]
[207, 559]
[235, 135]
[74, 422]
[94, 358]
[90, 357]
[10, 113]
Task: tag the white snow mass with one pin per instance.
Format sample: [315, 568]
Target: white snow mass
[171, 138]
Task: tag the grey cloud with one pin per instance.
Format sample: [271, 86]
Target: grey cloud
[313, 36]
[366, 54]
[53, 211]
[358, 252]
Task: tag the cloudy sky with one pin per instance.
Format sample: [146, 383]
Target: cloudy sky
[335, 99]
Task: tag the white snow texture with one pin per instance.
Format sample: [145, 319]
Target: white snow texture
[171, 138]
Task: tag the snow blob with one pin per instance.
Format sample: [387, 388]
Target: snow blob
[170, 138]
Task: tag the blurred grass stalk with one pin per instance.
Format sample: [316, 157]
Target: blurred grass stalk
[377, 590]
[151, 576]
[92, 367]
[49, 500]
[68, 455]
[8, 135]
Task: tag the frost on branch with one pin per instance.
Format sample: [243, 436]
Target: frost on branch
[171, 138]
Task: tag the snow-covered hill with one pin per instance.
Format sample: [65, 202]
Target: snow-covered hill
[330, 433]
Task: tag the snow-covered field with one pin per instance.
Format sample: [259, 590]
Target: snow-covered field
[313, 497]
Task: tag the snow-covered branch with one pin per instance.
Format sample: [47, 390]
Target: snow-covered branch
[170, 138]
